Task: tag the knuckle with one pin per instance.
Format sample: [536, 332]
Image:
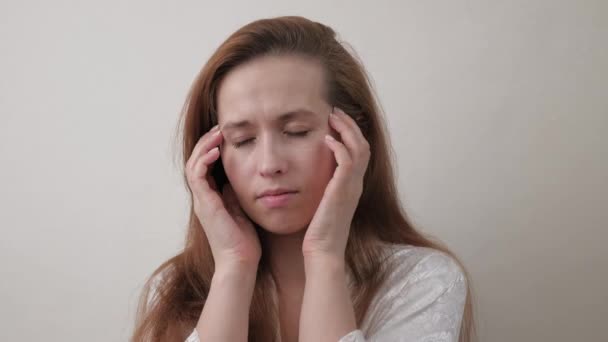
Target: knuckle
[188, 172]
[361, 153]
[348, 165]
[367, 147]
[190, 168]
[366, 155]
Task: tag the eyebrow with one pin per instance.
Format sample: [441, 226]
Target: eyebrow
[281, 118]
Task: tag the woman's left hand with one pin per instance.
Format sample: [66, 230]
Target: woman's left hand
[328, 230]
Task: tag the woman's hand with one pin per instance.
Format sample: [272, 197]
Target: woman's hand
[232, 236]
[328, 230]
[327, 311]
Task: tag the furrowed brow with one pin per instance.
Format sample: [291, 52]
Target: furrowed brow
[236, 125]
[285, 117]
[296, 114]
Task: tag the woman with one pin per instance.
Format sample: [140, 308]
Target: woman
[296, 231]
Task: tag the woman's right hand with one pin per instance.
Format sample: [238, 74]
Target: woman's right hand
[233, 239]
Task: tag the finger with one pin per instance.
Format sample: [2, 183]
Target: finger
[201, 167]
[197, 166]
[208, 141]
[355, 129]
[205, 143]
[210, 157]
[343, 158]
[355, 143]
[350, 121]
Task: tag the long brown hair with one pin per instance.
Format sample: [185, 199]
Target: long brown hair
[181, 284]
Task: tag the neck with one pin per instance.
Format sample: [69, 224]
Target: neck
[286, 260]
[284, 255]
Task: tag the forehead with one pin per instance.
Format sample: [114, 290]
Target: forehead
[266, 87]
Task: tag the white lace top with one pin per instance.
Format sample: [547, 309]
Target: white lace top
[422, 300]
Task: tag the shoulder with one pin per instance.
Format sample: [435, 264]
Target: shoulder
[410, 264]
[423, 285]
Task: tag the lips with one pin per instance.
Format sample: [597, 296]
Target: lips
[276, 198]
[275, 192]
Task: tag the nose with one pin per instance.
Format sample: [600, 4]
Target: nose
[271, 161]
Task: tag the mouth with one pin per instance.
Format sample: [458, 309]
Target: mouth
[277, 199]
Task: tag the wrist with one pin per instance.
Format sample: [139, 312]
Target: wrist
[324, 263]
[235, 263]
[237, 271]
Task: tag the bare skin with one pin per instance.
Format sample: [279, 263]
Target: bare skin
[307, 253]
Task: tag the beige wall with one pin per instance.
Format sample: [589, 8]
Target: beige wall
[498, 112]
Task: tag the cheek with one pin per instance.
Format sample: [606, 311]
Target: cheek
[317, 159]
[316, 145]
[236, 169]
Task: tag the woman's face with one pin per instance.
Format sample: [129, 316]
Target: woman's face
[274, 118]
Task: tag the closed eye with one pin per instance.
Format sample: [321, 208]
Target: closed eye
[247, 141]
[241, 143]
[298, 134]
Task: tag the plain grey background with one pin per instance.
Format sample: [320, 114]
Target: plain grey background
[498, 112]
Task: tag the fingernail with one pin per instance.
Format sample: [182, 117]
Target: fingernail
[215, 128]
[329, 138]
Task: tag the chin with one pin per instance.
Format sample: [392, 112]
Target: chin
[281, 230]
[281, 225]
